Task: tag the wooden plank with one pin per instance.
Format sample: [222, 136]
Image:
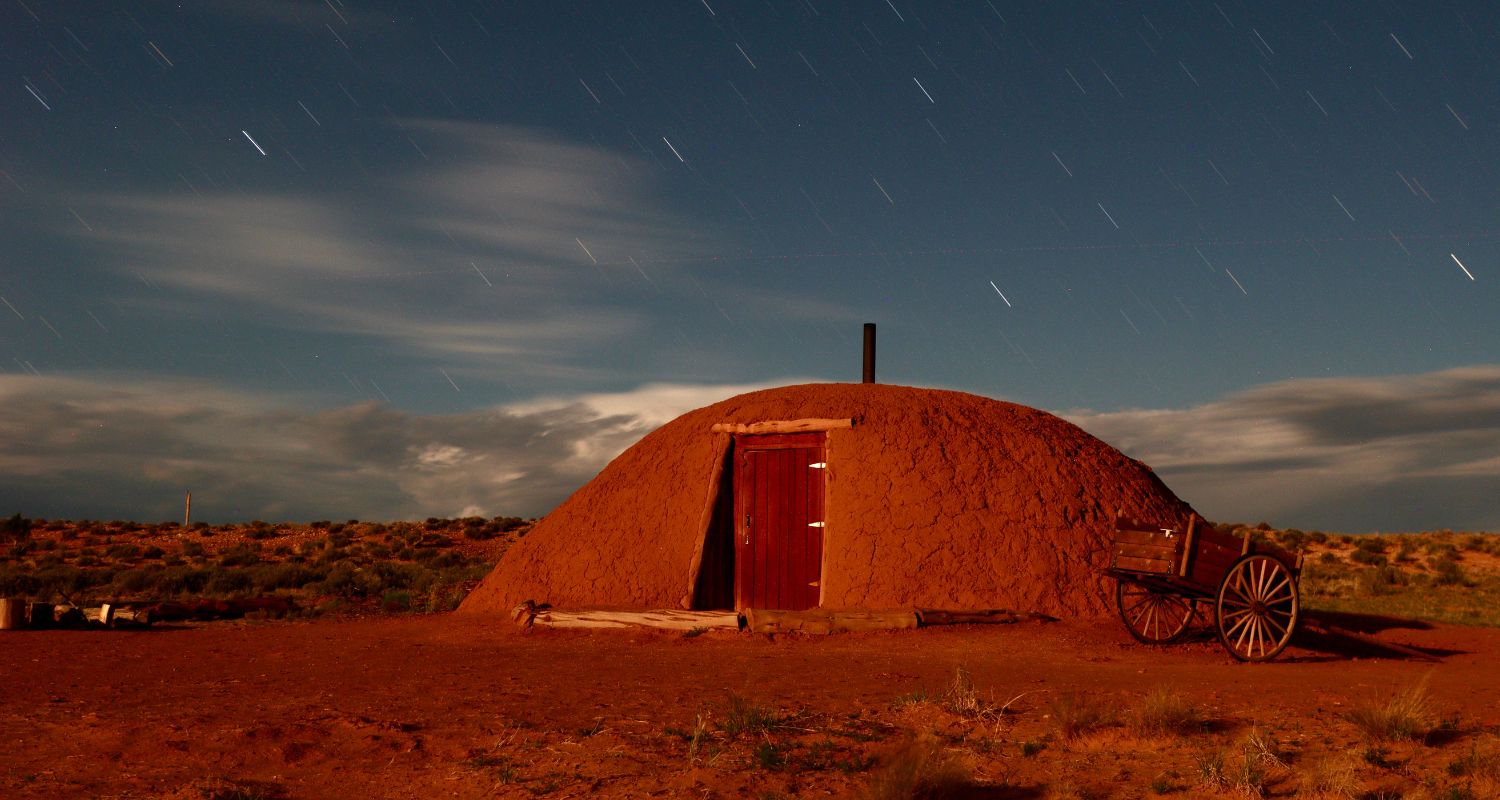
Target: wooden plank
[762, 620]
[1144, 537]
[1187, 546]
[1143, 551]
[782, 426]
[668, 619]
[1156, 566]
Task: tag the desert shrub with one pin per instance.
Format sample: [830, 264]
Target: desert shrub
[169, 525]
[963, 699]
[241, 555]
[1367, 557]
[480, 532]
[1292, 538]
[918, 767]
[153, 552]
[319, 525]
[1371, 544]
[136, 581]
[228, 581]
[198, 526]
[346, 581]
[1076, 715]
[192, 549]
[1381, 580]
[1333, 778]
[394, 575]
[1449, 573]
[1164, 712]
[1407, 714]
[16, 582]
[123, 551]
[260, 532]
[270, 577]
[339, 538]
[747, 717]
[396, 600]
[181, 580]
[15, 528]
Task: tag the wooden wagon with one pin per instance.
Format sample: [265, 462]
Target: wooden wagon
[1163, 572]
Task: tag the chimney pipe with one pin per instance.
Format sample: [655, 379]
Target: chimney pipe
[869, 352]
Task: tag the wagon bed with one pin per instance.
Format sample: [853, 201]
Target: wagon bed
[1163, 572]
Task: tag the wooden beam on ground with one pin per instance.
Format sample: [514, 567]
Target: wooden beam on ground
[669, 619]
[782, 426]
[760, 620]
[989, 616]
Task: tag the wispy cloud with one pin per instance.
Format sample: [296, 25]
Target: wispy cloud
[479, 254]
[113, 449]
[1347, 454]
[1392, 453]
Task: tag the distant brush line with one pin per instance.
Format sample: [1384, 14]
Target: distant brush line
[961, 251]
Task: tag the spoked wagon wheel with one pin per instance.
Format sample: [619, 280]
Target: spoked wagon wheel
[1153, 617]
[1257, 608]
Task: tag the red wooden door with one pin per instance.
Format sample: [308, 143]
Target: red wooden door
[778, 503]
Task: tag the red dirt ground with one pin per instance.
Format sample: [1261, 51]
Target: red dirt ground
[459, 706]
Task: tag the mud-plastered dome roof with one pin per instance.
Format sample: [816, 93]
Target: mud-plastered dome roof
[931, 499]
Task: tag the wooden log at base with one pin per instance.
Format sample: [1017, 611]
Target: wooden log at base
[927, 617]
[765, 620]
[529, 614]
[12, 614]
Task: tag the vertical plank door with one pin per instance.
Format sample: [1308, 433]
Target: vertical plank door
[778, 489]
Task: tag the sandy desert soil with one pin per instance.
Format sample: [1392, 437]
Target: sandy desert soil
[453, 706]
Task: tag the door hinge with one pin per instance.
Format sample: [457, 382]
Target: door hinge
[814, 524]
[818, 465]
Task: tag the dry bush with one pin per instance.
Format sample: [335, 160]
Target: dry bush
[1332, 779]
[1066, 790]
[1406, 715]
[919, 770]
[1076, 715]
[1164, 712]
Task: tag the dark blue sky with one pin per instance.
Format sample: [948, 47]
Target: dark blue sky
[461, 211]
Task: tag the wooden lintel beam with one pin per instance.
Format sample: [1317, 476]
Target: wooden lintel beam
[782, 426]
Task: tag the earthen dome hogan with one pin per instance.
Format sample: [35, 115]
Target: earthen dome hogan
[932, 499]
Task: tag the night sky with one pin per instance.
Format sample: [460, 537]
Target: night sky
[331, 259]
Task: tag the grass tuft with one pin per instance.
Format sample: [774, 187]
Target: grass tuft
[1164, 712]
[746, 717]
[1333, 778]
[1076, 715]
[919, 769]
[1406, 715]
